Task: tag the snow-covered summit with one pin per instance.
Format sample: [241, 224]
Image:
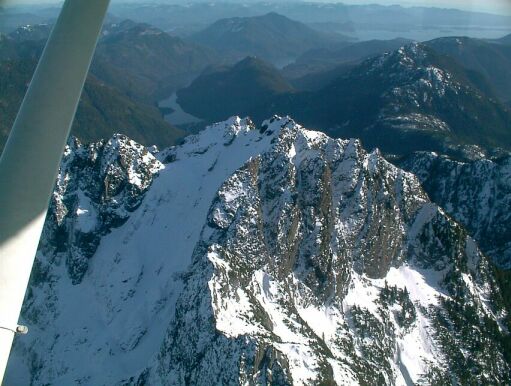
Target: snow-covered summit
[253, 255]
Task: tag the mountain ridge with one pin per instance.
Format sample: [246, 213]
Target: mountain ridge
[324, 59]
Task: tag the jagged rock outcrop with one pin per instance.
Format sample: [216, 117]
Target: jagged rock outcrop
[97, 187]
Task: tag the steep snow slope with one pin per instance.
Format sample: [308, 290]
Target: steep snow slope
[122, 298]
[253, 256]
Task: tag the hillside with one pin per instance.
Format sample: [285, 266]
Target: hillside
[504, 40]
[476, 193]
[135, 65]
[11, 48]
[141, 61]
[316, 81]
[271, 37]
[249, 85]
[101, 112]
[145, 62]
[491, 60]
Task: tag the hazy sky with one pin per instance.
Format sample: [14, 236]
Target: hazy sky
[493, 6]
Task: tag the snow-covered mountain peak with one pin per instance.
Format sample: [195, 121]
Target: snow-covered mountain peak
[97, 188]
[140, 164]
[271, 255]
[410, 55]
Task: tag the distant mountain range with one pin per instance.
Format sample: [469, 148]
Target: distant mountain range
[363, 22]
[11, 20]
[410, 99]
[272, 37]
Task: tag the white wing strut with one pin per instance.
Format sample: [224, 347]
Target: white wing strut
[30, 160]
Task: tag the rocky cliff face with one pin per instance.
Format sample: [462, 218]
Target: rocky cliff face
[272, 255]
